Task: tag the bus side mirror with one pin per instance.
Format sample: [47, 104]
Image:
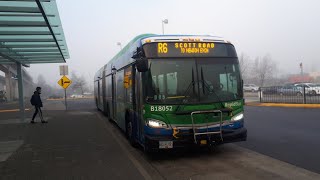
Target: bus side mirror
[141, 61]
[142, 64]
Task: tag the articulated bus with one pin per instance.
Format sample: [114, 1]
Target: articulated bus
[171, 91]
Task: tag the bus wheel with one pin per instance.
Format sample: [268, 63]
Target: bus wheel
[129, 131]
[212, 148]
[148, 150]
[108, 111]
[97, 105]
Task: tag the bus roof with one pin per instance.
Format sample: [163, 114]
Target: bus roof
[183, 38]
[124, 56]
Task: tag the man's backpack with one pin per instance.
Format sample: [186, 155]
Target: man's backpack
[32, 100]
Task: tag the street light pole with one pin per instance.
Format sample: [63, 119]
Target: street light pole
[301, 69]
[164, 22]
[119, 44]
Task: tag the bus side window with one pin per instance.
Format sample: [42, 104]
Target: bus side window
[127, 83]
[109, 87]
[120, 87]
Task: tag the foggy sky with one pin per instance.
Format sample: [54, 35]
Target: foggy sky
[288, 30]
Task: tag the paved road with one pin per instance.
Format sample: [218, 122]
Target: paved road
[288, 134]
[277, 132]
[83, 144]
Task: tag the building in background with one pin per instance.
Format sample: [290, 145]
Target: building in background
[298, 78]
[9, 82]
[315, 76]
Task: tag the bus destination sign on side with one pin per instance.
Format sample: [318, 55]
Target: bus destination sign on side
[188, 49]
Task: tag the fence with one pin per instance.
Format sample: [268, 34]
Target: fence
[291, 94]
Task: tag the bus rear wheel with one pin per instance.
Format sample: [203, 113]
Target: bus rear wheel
[129, 131]
[108, 111]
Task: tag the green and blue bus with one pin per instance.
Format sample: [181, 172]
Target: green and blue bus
[171, 91]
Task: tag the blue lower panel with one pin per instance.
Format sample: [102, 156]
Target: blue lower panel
[186, 141]
[165, 132]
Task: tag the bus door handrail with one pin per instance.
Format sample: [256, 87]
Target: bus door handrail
[195, 134]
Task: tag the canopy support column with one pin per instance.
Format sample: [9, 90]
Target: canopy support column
[9, 86]
[20, 87]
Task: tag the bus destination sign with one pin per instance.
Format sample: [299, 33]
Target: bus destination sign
[187, 49]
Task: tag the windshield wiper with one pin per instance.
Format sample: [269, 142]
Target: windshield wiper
[205, 84]
[186, 92]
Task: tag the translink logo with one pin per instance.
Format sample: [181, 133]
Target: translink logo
[232, 104]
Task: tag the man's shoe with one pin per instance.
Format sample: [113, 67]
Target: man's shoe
[32, 122]
[44, 121]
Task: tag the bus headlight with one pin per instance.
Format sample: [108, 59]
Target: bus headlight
[237, 117]
[154, 123]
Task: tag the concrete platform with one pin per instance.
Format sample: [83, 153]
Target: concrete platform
[73, 145]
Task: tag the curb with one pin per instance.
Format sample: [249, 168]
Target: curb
[283, 105]
[12, 110]
[59, 99]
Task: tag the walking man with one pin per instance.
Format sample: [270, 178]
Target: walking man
[37, 103]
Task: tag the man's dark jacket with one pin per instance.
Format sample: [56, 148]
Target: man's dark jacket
[36, 100]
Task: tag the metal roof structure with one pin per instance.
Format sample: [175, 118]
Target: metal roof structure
[31, 32]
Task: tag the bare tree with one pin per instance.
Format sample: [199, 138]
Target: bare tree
[41, 79]
[264, 69]
[46, 89]
[78, 83]
[245, 63]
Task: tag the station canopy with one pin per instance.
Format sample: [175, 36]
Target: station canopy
[31, 32]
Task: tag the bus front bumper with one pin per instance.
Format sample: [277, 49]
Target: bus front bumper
[228, 136]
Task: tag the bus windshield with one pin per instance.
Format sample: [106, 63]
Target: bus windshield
[192, 80]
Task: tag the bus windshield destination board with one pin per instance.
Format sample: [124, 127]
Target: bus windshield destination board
[189, 49]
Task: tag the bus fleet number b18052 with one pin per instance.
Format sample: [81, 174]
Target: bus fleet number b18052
[160, 108]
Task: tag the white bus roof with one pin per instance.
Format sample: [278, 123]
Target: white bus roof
[183, 38]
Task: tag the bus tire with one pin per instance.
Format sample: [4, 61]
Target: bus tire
[147, 150]
[108, 111]
[129, 130]
[97, 104]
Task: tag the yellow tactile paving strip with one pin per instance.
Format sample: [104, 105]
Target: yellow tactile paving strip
[285, 105]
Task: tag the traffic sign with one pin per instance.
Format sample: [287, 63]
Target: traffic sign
[64, 82]
[63, 70]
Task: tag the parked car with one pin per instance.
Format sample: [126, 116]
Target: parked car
[87, 94]
[3, 97]
[250, 87]
[77, 96]
[291, 90]
[55, 96]
[270, 90]
[310, 88]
